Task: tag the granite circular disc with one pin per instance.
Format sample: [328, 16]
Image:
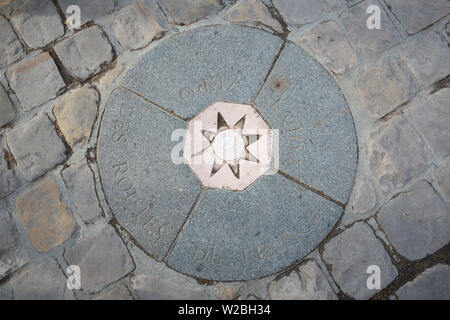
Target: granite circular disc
[218, 234]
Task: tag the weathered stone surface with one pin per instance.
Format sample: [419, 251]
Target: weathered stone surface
[120, 292]
[10, 180]
[416, 222]
[7, 111]
[350, 253]
[363, 198]
[432, 284]
[247, 235]
[195, 69]
[90, 9]
[36, 147]
[442, 177]
[418, 14]
[329, 45]
[44, 216]
[102, 258]
[253, 12]
[309, 284]
[383, 86]
[10, 48]
[149, 195]
[397, 154]
[35, 81]
[428, 57]
[38, 22]
[318, 143]
[188, 11]
[75, 115]
[150, 287]
[12, 254]
[226, 291]
[370, 41]
[135, 26]
[44, 281]
[432, 118]
[298, 12]
[80, 182]
[85, 53]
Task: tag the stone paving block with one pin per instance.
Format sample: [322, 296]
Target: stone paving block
[35, 81]
[246, 235]
[149, 195]
[309, 284]
[10, 47]
[254, 12]
[363, 198]
[416, 15]
[38, 22]
[416, 222]
[80, 182]
[85, 53]
[120, 292]
[10, 179]
[12, 254]
[397, 154]
[329, 45]
[197, 68]
[383, 86]
[43, 281]
[432, 118]
[7, 111]
[317, 137]
[90, 9]
[299, 12]
[75, 115]
[102, 257]
[150, 287]
[44, 216]
[185, 12]
[350, 253]
[428, 57]
[135, 26]
[369, 41]
[442, 177]
[432, 284]
[36, 147]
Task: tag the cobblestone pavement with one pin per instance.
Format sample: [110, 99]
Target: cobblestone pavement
[55, 84]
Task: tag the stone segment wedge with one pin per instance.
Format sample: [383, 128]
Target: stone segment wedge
[318, 144]
[191, 71]
[149, 195]
[246, 235]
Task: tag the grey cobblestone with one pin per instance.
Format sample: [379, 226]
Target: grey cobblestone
[10, 48]
[432, 117]
[397, 154]
[185, 12]
[35, 81]
[442, 176]
[120, 292]
[43, 281]
[36, 147]
[90, 9]
[361, 249]
[369, 41]
[418, 14]
[85, 53]
[416, 222]
[299, 12]
[97, 253]
[432, 284]
[38, 22]
[7, 111]
[428, 57]
[80, 182]
[384, 86]
[10, 179]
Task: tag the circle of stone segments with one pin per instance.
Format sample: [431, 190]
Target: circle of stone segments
[218, 234]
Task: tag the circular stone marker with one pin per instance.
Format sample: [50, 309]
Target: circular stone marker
[198, 226]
